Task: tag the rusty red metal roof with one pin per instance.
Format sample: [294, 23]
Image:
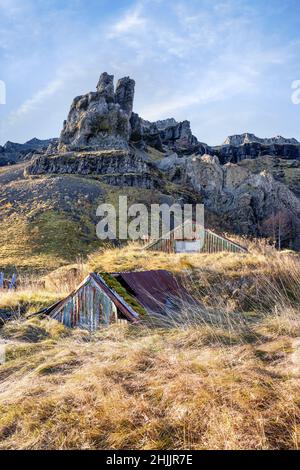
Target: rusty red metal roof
[153, 289]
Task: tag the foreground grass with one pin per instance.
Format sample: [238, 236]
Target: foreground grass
[222, 375]
[144, 388]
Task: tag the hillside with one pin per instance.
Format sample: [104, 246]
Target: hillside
[48, 200]
[225, 376]
[50, 220]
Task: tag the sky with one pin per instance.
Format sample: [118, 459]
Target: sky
[225, 65]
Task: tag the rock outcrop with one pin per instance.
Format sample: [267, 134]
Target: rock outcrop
[179, 135]
[235, 154]
[244, 199]
[100, 120]
[106, 88]
[95, 139]
[247, 138]
[163, 135]
[145, 133]
[125, 94]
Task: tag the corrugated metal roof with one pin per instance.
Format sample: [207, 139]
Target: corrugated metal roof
[153, 289]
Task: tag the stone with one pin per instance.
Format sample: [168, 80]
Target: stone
[100, 120]
[117, 168]
[125, 94]
[137, 134]
[106, 88]
[12, 153]
[234, 175]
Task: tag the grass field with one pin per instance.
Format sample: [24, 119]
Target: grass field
[222, 376]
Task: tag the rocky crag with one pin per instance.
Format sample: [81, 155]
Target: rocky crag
[247, 138]
[164, 135]
[100, 120]
[95, 139]
[104, 139]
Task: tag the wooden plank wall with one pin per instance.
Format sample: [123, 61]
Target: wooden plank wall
[213, 243]
[88, 308]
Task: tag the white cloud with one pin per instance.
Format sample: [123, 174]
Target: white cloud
[206, 92]
[132, 21]
[37, 100]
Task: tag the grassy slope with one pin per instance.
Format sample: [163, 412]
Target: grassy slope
[226, 379]
[50, 221]
[46, 222]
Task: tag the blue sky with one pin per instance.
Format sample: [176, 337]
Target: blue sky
[225, 65]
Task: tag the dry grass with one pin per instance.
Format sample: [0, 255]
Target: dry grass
[224, 375]
[133, 258]
[27, 300]
[128, 388]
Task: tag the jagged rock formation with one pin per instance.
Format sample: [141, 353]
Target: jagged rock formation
[125, 94]
[163, 135]
[247, 138]
[145, 133]
[165, 123]
[106, 87]
[11, 152]
[95, 139]
[100, 120]
[252, 150]
[179, 135]
[285, 171]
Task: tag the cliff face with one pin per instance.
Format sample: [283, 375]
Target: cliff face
[163, 135]
[235, 154]
[178, 137]
[249, 202]
[117, 168]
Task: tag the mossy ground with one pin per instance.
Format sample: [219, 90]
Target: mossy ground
[114, 284]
